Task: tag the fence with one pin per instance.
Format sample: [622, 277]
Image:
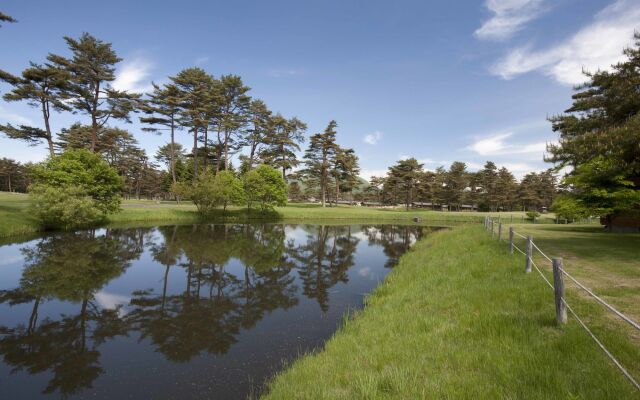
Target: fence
[558, 286]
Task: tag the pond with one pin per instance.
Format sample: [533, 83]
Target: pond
[187, 311]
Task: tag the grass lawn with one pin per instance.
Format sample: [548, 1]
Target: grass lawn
[607, 263]
[459, 318]
[15, 218]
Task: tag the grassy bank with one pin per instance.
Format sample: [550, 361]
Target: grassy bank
[15, 218]
[458, 318]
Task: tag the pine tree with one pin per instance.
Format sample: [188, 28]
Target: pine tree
[259, 118]
[345, 170]
[457, 180]
[599, 136]
[319, 157]
[404, 179]
[195, 87]
[233, 106]
[506, 187]
[43, 87]
[283, 140]
[489, 182]
[92, 69]
[163, 106]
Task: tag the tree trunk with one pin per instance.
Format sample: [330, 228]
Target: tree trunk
[323, 189]
[226, 150]
[45, 115]
[173, 151]
[284, 167]
[204, 147]
[94, 118]
[195, 153]
[9, 181]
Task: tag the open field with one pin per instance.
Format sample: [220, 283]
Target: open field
[459, 318]
[16, 220]
[607, 263]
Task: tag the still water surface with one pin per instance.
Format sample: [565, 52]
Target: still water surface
[188, 311]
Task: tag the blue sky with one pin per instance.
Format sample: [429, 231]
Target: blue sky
[437, 80]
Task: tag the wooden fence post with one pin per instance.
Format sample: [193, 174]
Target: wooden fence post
[492, 233]
[511, 239]
[499, 231]
[527, 265]
[558, 289]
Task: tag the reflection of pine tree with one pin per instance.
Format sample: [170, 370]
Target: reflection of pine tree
[323, 261]
[70, 267]
[215, 303]
[395, 240]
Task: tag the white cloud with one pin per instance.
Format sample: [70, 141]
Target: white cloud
[596, 46]
[509, 16]
[373, 138]
[110, 300]
[284, 72]
[13, 118]
[497, 145]
[133, 76]
[202, 60]
[368, 173]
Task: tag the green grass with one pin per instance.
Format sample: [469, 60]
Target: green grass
[458, 318]
[606, 262]
[15, 218]
[14, 215]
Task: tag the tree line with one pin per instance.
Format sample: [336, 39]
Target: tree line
[489, 189]
[218, 113]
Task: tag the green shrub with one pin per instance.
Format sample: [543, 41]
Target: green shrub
[212, 191]
[64, 208]
[86, 172]
[568, 208]
[73, 190]
[532, 215]
[265, 185]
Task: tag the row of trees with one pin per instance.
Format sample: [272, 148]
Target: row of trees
[489, 188]
[217, 112]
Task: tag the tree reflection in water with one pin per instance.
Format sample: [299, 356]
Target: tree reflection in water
[215, 303]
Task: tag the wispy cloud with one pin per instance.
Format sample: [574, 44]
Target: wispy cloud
[509, 16]
[596, 46]
[14, 118]
[496, 144]
[133, 76]
[368, 173]
[202, 60]
[284, 72]
[428, 162]
[372, 138]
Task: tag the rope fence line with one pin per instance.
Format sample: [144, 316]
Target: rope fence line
[606, 351]
[559, 289]
[541, 274]
[601, 301]
[521, 252]
[541, 252]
